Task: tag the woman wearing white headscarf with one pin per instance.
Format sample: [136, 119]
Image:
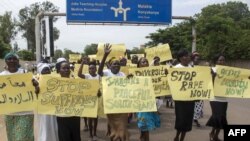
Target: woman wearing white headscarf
[47, 124]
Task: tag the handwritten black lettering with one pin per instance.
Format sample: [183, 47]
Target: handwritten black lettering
[66, 86]
[200, 93]
[183, 75]
[191, 85]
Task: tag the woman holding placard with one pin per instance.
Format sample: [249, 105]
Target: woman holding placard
[19, 126]
[184, 110]
[146, 121]
[117, 123]
[218, 119]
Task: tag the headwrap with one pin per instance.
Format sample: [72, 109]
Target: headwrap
[41, 66]
[59, 60]
[9, 55]
[113, 59]
[195, 53]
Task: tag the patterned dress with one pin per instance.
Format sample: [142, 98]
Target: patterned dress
[19, 126]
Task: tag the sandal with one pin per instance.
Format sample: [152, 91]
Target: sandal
[211, 138]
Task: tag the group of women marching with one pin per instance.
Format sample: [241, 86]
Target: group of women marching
[19, 126]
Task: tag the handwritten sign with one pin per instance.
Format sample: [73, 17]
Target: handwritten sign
[117, 50]
[85, 69]
[74, 57]
[158, 75]
[232, 82]
[17, 93]
[68, 97]
[191, 83]
[162, 51]
[125, 69]
[123, 95]
[92, 57]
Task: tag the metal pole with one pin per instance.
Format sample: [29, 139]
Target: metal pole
[37, 31]
[194, 38]
[193, 29]
[38, 37]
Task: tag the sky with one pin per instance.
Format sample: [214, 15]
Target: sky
[76, 37]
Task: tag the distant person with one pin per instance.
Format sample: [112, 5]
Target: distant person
[218, 119]
[146, 121]
[47, 124]
[123, 61]
[92, 122]
[198, 108]
[134, 59]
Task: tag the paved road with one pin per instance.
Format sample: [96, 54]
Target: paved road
[238, 113]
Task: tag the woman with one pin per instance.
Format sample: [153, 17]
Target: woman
[218, 120]
[198, 108]
[48, 130]
[184, 110]
[147, 121]
[117, 123]
[19, 125]
[68, 127]
[92, 75]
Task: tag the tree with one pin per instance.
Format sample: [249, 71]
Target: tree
[67, 52]
[221, 28]
[90, 49]
[177, 37]
[4, 48]
[27, 21]
[26, 55]
[135, 50]
[7, 33]
[58, 54]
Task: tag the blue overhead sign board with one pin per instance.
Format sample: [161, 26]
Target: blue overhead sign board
[119, 11]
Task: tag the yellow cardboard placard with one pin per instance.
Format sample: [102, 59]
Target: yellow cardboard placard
[85, 69]
[125, 69]
[123, 95]
[74, 57]
[17, 93]
[92, 57]
[117, 50]
[162, 51]
[188, 84]
[158, 75]
[68, 97]
[232, 82]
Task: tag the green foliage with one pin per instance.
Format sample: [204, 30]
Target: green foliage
[4, 48]
[221, 28]
[26, 55]
[7, 33]
[58, 54]
[90, 49]
[67, 52]
[27, 17]
[135, 50]
[7, 27]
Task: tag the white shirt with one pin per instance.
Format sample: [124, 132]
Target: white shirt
[88, 76]
[181, 66]
[110, 74]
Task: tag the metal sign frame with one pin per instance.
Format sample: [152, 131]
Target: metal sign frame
[136, 12]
